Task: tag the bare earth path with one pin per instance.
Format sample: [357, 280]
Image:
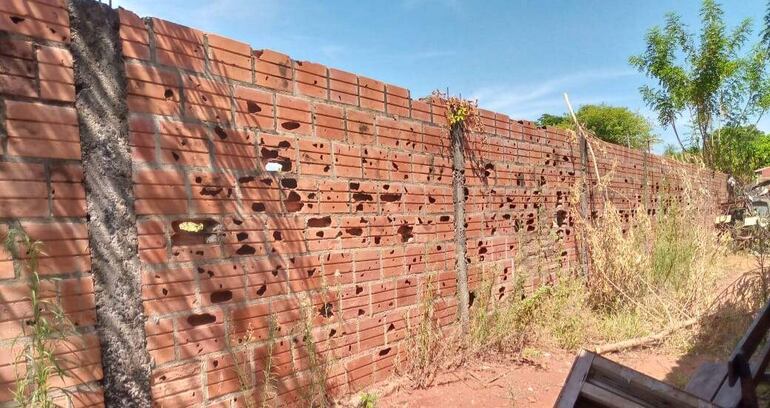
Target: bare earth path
[537, 384]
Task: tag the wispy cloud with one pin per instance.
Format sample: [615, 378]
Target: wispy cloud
[523, 101]
[208, 15]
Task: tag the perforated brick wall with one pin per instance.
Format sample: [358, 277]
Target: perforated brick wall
[357, 221]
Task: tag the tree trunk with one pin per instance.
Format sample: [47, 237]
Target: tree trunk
[458, 196]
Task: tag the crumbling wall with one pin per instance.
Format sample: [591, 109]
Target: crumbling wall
[261, 183]
[41, 191]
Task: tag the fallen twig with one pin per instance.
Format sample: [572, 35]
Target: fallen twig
[641, 341]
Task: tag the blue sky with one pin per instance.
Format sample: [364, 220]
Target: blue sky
[515, 57]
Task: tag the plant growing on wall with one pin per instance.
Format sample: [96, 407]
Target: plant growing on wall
[462, 117]
[36, 362]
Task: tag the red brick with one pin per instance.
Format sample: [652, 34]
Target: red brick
[178, 46]
[293, 115]
[254, 108]
[311, 79]
[230, 58]
[329, 122]
[343, 87]
[372, 93]
[273, 70]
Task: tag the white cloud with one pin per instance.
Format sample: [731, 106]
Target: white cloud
[524, 101]
[208, 15]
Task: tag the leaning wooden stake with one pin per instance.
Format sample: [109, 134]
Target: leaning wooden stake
[588, 143]
[458, 196]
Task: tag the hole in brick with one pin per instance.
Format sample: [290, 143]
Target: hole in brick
[406, 233]
[246, 250]
[359, 289]
[362, 197]
[391, 327]
[289, 183]
[246, 179]
[332, 332]
[221, 296]
[384, 352]
[319, 222]
[310, 272]
[175, 155]
[326, 310]
[220, 132]
[253, 107]
[17, 20]
[169, 94]
[444, 218]
[261, 290]
[431, 199]
[241, 236]
[471, 298]
[361, 312]
[482, 250]
[561, 215]
[293, 202]
[215, 363]
[355, 231]
[201, 319]
[389, 198]
[165, 291]
[193, 231]
[277, 235]
[319, 234]
[210, 191]
[354, 186]
[257, 207]
[291, 125]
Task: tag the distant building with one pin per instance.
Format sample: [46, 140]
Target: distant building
[763, 173]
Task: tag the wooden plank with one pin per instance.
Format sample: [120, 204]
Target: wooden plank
[644, 387]
[606, 398]
[570, 392]
[707, 379]
[754, 335]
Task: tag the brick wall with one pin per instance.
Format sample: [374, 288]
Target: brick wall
[41, 189]
[357, 222]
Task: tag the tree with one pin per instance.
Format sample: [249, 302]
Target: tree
[706, 80]
[614, 124]
[742, 149]
[547, 119]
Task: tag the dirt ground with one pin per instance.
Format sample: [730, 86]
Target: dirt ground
[537, 382]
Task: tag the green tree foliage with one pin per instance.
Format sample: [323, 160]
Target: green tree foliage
[614, 124]
[707, 79]
[743, 149]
